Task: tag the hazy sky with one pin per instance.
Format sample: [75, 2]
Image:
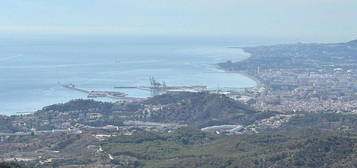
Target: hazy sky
[304, 19]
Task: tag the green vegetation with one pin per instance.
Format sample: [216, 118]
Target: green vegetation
[332, 143]
[194, 109]
[13, 165]
[201, 110]
[192, 148]
[326, 121]
[5, 125]
[80, 104]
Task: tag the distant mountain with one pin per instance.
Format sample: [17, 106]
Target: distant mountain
[354, 42]
[298, 56]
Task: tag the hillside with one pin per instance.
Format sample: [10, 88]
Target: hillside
[306, 140]
[195, 109]
[198, 109]
[189, 148]
[328, 121]
[13, 165]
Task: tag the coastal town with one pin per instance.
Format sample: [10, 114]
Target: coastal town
[301, 77]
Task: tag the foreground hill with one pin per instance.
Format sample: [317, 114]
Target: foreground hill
[187, 147]
[192, 148]
[13, 165]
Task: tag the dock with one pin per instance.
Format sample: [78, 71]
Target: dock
[96, 94]
[157, 88]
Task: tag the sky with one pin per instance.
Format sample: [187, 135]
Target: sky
[324, 20]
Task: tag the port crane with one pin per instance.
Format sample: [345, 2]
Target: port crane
[157, 88]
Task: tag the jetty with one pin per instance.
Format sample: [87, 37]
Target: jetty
[156, 88]
[96, 94]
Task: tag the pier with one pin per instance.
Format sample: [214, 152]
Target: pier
[96, 94]
[156, 88]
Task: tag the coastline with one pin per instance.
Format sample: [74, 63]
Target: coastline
[258, 83]
[70, 96]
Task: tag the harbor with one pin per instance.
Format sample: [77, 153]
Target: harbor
[155, 88]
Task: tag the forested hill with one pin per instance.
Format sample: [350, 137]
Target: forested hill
[188, 148]
[79, 104]
[195, 109]
[198, 108]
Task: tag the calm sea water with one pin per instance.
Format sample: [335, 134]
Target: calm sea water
[32, 67]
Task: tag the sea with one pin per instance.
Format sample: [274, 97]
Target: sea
[32, 68]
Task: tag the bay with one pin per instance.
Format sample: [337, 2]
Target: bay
[31, 68]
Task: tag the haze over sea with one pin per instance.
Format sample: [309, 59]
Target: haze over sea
[32, 67]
